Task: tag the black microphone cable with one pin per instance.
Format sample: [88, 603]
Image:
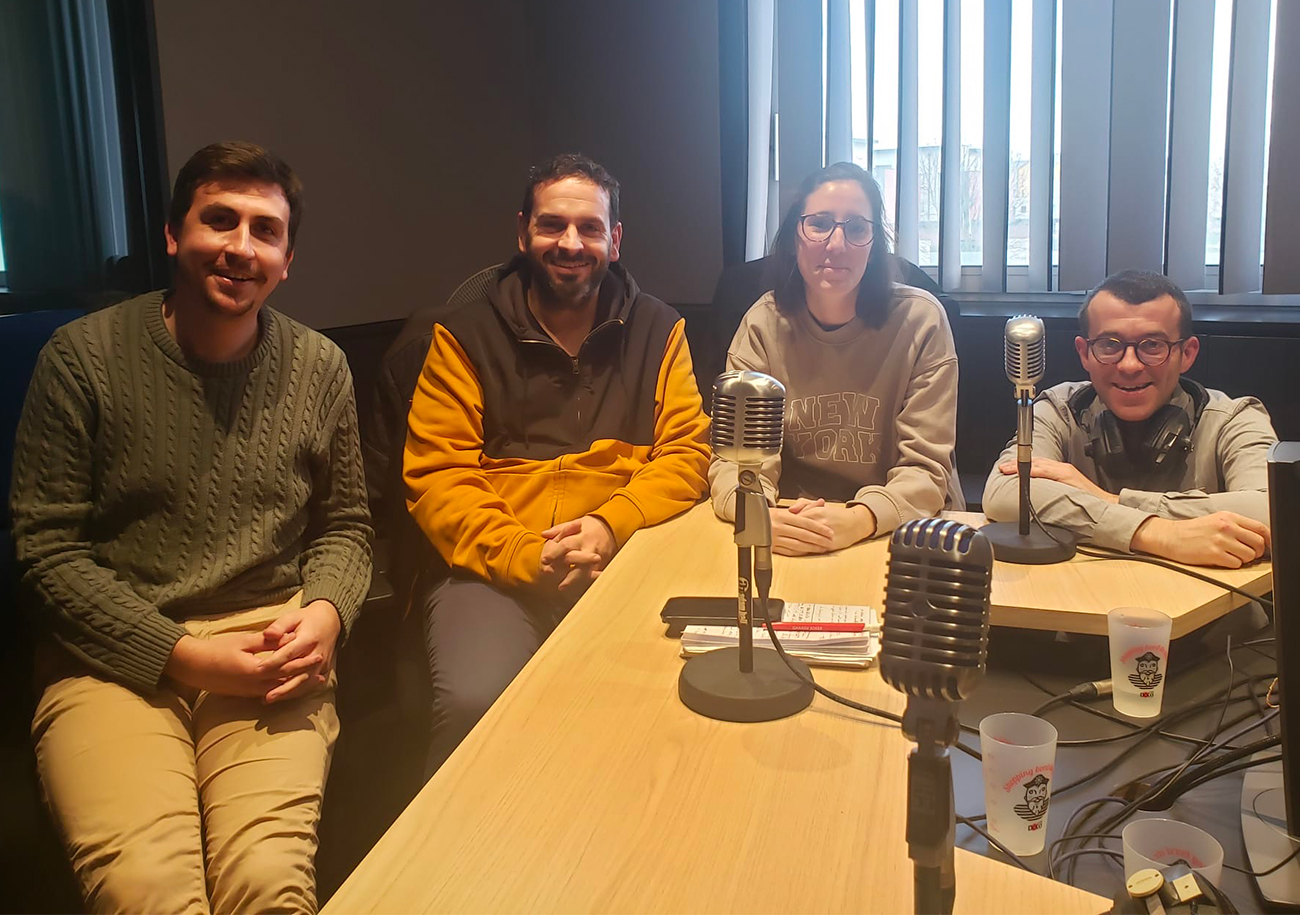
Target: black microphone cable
[1134, 729]
[763, 582]
[1089, 689]
[1130, 803]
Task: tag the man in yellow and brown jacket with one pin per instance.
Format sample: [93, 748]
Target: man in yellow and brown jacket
[556, 414]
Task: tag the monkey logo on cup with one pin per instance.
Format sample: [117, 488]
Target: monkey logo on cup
[1148, 674]
[1035, 804]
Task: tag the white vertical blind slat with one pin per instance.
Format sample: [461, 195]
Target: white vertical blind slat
[839, 105]
[997, 141]
[761, 54]
[950, 204]
[799, 93]
[1085, 141]
[1189, 143]
[1042, 122]
[908, 214]
[1243, 162]
[1282, 236]
[1138, 138]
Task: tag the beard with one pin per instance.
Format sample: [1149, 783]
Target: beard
[562, 291]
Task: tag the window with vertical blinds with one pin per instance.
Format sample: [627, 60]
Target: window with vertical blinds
[1040, 145]
[82, 184]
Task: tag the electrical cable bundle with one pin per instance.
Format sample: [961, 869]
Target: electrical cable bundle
[1159, 788]
[1212, 757]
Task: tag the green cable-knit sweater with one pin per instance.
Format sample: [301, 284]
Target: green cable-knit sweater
[149, 487]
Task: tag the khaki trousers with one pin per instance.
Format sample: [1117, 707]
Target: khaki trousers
[184, 801]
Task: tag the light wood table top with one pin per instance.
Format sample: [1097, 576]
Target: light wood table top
[589, 787]
[1075, 596]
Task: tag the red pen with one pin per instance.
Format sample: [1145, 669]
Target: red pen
[819, 627]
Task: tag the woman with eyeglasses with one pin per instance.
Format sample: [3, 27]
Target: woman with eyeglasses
[870, 374]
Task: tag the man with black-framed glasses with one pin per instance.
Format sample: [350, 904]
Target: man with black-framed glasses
[1140, 458]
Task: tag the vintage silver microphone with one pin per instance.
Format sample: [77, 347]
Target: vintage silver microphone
[737, 684]
[748, 422]
[1026, 364]
[934, 647]
[1026, 354]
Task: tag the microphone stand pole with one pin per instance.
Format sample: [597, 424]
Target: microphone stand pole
[931, 813]
[753, 530]
[740, 684]
[1024, 454]
[1017, 541]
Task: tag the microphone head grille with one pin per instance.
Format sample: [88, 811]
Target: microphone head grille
[934, 641]
[1026, 352]
[748, 417]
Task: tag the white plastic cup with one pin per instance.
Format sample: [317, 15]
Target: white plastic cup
[1160, 842]
[1139, 659]
[1019, 754]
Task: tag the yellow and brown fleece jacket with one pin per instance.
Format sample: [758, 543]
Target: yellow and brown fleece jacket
[509, 435]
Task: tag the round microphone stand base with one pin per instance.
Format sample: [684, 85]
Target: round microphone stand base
[1034, 548]
[713, 685]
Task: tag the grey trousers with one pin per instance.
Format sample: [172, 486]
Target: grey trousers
[478, 637]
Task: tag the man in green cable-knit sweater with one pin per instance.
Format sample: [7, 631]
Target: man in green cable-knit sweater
[190, 517]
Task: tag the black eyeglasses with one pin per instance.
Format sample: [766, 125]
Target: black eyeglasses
[1110, 350]
[818, 228]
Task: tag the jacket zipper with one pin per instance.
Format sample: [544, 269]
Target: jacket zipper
[574, 361]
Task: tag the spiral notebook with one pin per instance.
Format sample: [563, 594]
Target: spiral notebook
[821, 649]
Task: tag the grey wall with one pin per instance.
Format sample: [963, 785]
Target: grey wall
[396, 116]
[635, 86]
[413, 124]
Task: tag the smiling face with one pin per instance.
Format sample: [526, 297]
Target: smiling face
[1129, 389]
[568, 240]
[232, 249]
[834, 266]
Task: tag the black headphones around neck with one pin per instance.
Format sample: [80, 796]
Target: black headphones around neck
[1159, 461]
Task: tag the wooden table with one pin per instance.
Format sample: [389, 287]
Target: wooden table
[1075, 596]
[588, 787]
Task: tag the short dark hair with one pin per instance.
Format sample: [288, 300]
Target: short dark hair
[571, 165]
[876, 290]
[240, 161]
[1138, 287]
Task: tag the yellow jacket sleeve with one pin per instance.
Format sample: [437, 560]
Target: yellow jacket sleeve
[674, 477]
[447, 492]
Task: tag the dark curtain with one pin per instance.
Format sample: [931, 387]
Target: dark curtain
[72, 192]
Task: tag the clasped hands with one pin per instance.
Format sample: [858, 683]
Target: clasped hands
[809, 526]
[291, 657]
[575, 553]
[1221, 538]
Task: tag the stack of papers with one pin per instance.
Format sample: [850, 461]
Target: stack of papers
[851, 637]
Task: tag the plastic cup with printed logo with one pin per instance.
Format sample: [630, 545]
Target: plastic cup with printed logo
[1139, 655]
[1160, 842]
[1019, 759]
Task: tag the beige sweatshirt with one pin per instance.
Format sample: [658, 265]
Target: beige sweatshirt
[870, 415]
